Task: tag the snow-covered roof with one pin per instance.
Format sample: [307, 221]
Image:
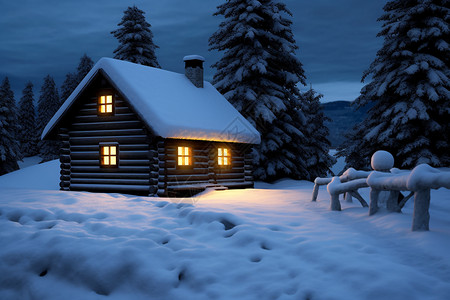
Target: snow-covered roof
[170, 104]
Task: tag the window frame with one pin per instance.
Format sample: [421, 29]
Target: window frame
[190, 156]
[229, 156]
[99, 104]
[101, 155]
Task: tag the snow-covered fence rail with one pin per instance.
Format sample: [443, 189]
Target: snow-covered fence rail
[317, 183]
[419, 181]
[348, 183]
[349, 175]
[336, 187]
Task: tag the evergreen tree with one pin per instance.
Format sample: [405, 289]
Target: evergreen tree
[68, 86]
[73, 79]
[48, 104]
[9, 146]
[409, 87]
[27, 121]
[83, 68]
[319, 160]
[135, 39]
[258, 74]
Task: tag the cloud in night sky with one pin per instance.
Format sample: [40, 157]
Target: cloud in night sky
[337, 39]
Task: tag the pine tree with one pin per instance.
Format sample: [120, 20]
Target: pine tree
[135, 39]
[409, 87]
[9, 146]
[27, 121]
[319, 160]
[48, 104]
[73, 79]
[258, 74]
[83, 68]
[68, 86]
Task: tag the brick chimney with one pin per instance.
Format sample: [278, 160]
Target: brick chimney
[193, 69]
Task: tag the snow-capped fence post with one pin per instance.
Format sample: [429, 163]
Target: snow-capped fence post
[381, 161]
[334, 193]
[317, 183]
[421, 215]
[421, 179]
[373, 204]
[392, 203]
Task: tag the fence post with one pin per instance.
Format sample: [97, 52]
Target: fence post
[335, 204]
[315, 192]
[421, 215]
[373, 205]
[392, 202]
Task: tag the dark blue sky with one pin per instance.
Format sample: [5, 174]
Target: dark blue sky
[336, 38]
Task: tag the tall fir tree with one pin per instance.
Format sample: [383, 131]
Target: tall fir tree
[27, 121]
[83, 68]
[68, 86]
[9, 130]
[135, 39]
[319, 161]
[48, 104]
[409, 88]
[258, 73]
[73, 79]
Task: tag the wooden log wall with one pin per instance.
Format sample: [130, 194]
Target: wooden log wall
[64, 158]
[204, 170]
[137, 172]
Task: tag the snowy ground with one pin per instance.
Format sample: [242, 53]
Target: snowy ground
[265, 243]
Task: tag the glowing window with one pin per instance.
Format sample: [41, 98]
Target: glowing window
[184, 156]
[108, 155]
[105, 104]
[223, 157]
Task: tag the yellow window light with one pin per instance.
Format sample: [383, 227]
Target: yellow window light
[223, 157]
[108, 155]
[184, 156]
[105, 104]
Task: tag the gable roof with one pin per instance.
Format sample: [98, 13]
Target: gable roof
[169, 103]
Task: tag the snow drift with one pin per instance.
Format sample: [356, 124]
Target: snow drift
[265, 243]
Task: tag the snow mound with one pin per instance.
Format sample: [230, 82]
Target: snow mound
[36, 177]
[382, 161]
[271, 242]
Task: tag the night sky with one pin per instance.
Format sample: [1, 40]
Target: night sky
[337, 39]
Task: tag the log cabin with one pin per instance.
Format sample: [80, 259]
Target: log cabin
[135, 129]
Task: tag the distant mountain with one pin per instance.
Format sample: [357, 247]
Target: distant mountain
[344, 117]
